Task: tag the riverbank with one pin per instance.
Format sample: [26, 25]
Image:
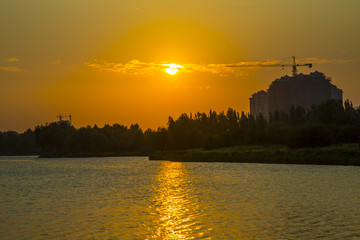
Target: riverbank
[346, 154]
[97, 154]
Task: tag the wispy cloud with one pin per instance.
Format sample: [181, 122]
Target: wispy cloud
[227, 69]
[330, 60]
[222, 69]
[133, 66]
[12, 69]
[138, 67]
[56, 62]
[13, 59]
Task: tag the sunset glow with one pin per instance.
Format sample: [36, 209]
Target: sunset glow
[179, 120]
[141, 62]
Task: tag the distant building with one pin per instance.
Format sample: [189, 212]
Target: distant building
[63, 121]
[300, 90]
[259, 104]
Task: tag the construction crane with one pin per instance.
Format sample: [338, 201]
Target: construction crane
[265, 64]
[60, 117]
[294, 65]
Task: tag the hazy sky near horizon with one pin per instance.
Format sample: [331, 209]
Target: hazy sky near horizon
[102, 61]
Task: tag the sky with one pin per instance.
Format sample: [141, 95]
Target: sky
[104, 61]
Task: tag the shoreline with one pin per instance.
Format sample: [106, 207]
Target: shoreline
[344, 154]
[347, 155]
[89, 155]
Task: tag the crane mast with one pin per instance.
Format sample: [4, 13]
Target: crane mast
[294, 66]
[60, 117]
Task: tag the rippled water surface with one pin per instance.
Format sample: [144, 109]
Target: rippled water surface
[134, 198]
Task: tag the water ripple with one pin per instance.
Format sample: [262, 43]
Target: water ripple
[133, 198]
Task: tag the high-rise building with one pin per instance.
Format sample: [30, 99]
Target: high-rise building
[300, 90]
[259, 104]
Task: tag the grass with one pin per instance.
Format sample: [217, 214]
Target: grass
[345, 154]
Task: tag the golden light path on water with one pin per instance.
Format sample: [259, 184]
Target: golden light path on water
[176, 206]
[134, 198]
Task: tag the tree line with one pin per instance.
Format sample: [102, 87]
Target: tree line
[330, 122]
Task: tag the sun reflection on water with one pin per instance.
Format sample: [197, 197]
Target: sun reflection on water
[176, 206]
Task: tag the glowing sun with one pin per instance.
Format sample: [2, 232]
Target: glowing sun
[172, 68]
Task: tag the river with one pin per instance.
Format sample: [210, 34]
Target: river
[134, 198]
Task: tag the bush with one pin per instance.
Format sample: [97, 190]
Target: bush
[310, 135]
[350, 134]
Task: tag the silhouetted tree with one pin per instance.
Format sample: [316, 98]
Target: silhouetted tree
[310, 135]
[329, 122]
[54, 137]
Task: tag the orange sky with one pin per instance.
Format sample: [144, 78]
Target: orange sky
[102, 61]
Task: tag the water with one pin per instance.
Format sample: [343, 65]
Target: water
[133, 198]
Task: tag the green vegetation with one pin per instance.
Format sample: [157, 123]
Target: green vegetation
[13, 143]
[329, 124]
[346, 154]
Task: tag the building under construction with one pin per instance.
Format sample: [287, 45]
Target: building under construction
[298, 90]
[63, 120]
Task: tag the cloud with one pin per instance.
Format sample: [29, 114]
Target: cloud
[133, 66]
[13, 59]
[55, 62]
[330, 60]
[221, 69]
[12, 69]
[138, 67]
[227, 69]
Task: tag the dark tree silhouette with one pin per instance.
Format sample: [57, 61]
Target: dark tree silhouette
[331, 122]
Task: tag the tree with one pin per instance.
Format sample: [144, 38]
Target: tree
[54, 137]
